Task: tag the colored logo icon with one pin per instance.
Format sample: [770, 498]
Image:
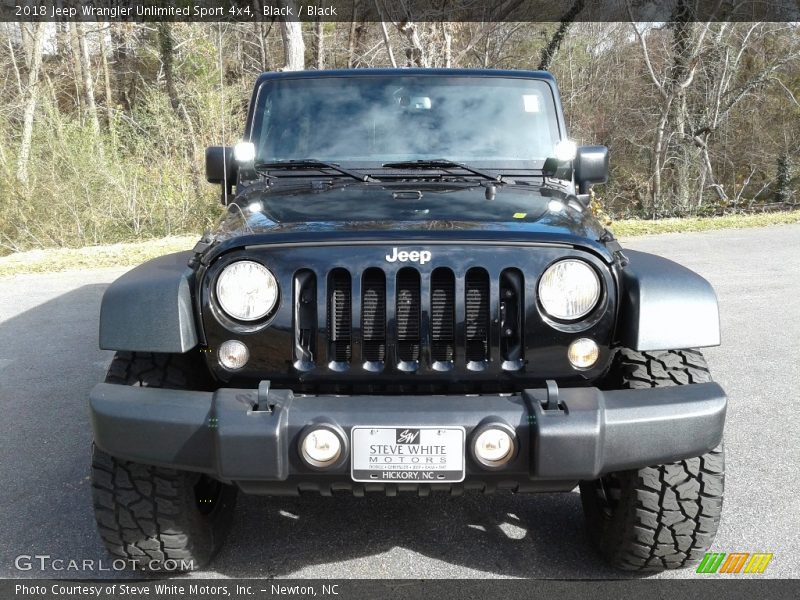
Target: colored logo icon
[734, 562]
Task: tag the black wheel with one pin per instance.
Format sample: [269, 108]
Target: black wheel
[156, 518]
[663, 516]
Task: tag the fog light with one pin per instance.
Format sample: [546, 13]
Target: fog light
[583, 353]
[494, 447]
[320, 447]
[233, 355]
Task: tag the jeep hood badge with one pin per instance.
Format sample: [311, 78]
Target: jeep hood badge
[420, 256]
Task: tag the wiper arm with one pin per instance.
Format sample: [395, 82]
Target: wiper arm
[443, 163]
[311, 163]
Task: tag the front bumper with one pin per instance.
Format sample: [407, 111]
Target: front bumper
[250, 436]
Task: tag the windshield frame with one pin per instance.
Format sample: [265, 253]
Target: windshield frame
[510, 167]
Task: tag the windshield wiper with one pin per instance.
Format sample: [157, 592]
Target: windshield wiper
[443, 163]
[308, 164]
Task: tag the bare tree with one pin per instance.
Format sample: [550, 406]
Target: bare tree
[294, 49]
[319, 45]
[388, 44]
[167, 53]
[549, 51]
[31, 97]
[86, 72]
[109, 95]
[671, 88]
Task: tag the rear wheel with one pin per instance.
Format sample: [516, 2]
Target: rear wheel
[157, 518]
[663, 516]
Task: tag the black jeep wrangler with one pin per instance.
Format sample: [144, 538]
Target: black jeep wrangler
[408, 293]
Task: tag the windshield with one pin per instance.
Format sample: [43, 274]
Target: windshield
[371, 120]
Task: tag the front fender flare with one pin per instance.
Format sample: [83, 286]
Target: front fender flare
[665, 306]
[149, 308]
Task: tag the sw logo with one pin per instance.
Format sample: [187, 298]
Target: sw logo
[734, 562]
[407, 436]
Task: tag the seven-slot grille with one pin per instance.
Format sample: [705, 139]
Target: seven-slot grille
[409, 318]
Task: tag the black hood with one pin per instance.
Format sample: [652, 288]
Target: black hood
[310, 210]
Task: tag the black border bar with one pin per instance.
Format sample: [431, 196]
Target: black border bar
[476, 11]
[400, 589]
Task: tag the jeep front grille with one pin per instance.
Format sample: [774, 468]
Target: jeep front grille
[409, 319]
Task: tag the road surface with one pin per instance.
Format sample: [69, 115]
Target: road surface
[49, 360]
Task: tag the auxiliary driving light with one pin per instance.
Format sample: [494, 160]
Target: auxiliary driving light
[583, 353]
[320, 447]
[233, 355]
[494, 447]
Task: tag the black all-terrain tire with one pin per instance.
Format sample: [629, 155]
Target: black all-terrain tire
[152, 517]
[663, 516]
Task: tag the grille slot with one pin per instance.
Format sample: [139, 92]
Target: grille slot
[373, 315]
[443, 316]
[511, 319]
[305, 319]
[476, 292]
[340, 316]
[408, 315]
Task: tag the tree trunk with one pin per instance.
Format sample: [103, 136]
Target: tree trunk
[125, 83]
[357, 50]
[166, 49]
[319, 45]
[387, 42]
[549, 51]
[351, 38]
[13, 56]
[167, 52]
[416, 54]
[75, 53]
[655, 163]
[109, 95]
[88, 83]
[294, 49]
[448, 45]
[31, 97]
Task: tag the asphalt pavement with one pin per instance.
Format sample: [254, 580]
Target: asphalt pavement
[49, 361]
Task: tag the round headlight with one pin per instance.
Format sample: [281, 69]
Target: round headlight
[247, 290]
[569, 289]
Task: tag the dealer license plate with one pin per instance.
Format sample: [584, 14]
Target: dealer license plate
[411, 454]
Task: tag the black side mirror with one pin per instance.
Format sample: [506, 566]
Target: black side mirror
[221, 168]
[591, 166]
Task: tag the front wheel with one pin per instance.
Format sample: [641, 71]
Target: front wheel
[663, 516]
[151, 517]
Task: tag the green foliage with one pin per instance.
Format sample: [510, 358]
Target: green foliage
[87, 189]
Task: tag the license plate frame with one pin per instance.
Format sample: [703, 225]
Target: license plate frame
[444, 445]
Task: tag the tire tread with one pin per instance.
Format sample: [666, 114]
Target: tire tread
[667, 515]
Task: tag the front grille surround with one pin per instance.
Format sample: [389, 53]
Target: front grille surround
[336, 327]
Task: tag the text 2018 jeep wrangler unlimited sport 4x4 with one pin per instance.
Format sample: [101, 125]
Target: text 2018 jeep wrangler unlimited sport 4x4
[408, 293]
